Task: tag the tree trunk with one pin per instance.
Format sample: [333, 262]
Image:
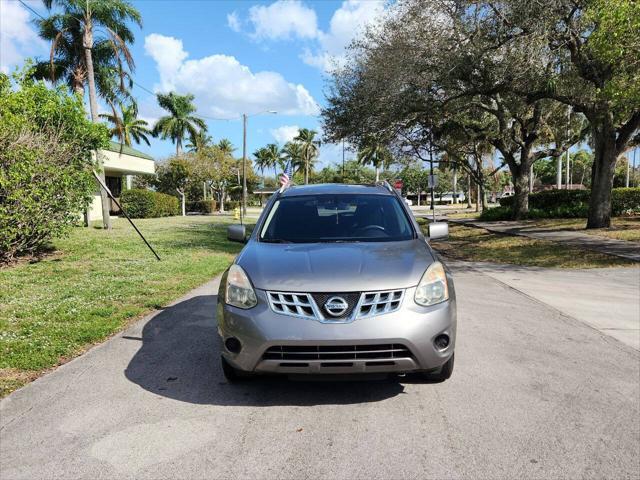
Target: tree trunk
[306, 171]
[603, 169]
[377, 173]
[182, 201]
[221, 200]
[93, 108]
[468, 190]
[521, 191]
[477, 197]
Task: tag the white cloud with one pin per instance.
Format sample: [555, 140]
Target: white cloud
[18, 39]
[233, 21]
[346, 23]
[223, 87]
[285, 133]
[284, 19]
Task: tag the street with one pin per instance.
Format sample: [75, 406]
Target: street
[535, 394]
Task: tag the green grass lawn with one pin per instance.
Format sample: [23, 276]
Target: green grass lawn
[622, 228]
[95, 282]
[476, 244]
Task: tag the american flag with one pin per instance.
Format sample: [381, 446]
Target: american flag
[285, 178]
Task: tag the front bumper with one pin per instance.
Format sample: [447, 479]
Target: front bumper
[411, 326]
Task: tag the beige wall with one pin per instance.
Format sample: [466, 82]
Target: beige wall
[114, 162]
[115, 165]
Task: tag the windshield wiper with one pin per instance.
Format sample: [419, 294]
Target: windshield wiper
[275, 240]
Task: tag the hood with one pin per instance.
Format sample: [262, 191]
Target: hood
[335, 267]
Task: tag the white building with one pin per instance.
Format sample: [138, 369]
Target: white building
[120, 163]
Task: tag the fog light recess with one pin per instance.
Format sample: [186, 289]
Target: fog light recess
[441, 341]
[233, 345]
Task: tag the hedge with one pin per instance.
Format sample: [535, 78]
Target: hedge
[45, 164]
[574, 203]
[202, 206]
[139, 203]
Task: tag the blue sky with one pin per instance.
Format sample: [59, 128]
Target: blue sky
[235, 56]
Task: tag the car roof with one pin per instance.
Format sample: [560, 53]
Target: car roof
[335, 188]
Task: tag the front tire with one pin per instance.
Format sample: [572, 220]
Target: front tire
[443, 374]
[230, 373]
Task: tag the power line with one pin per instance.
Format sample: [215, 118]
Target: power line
[142, 87]
[31, 9]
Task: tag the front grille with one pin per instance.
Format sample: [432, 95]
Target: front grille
[337, 352]
[312, 305]
[294, 304]
[351, 299]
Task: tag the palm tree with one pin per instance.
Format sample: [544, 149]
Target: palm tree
[262, 160]
[274, 154]
[127, 126]
[66, 63]
[226, 147]
[199, 141]
[310, 149]
[375, 153]
[95, 22]
[180, 122]
[292, 152]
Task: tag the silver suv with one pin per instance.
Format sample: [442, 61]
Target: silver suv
[337, 279]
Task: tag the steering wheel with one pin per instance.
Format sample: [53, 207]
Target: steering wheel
[376, 227]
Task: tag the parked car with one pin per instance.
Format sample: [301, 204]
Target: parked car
[450, 197]
[337, 279]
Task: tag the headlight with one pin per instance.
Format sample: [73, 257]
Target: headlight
[433, 286]
[239, 292]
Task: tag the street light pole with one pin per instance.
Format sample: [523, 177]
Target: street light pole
[343, 160]
[244, 156]
[568, 158]
[244, 163]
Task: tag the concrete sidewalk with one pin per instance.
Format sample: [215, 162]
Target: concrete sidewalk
[606, 299]
[608, 246]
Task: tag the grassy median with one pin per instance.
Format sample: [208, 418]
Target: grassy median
[479, 245]
[95, 282]
[622, 228]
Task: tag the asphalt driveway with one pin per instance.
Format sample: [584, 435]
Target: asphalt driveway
[535, 394]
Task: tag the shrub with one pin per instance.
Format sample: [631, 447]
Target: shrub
[495, 214]
[140, 203]
[45, 164]
[575, 203]
[625, 201]
[202, 206]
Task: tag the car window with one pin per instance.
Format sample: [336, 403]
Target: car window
[336, 218]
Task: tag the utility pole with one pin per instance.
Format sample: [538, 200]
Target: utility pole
[568, 182]
[343, 160]
[244, 163]
[431, 177]
[531, 179]
[626, 180]
[244, 157]
[634, 162]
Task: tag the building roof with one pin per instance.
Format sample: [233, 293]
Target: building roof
[123, 149]
[335, 188]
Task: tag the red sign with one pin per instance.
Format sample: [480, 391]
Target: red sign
[398, 184]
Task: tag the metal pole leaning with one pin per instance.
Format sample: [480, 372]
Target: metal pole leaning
[104, 187]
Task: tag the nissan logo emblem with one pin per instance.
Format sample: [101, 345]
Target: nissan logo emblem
[336, 306]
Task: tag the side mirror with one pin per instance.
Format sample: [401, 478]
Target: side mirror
[237, 233]
[438, 230]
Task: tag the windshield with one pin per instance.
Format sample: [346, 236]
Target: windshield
[336, 218]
